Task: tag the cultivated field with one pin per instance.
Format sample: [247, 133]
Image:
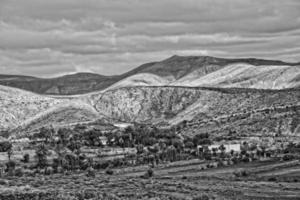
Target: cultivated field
[179, 180]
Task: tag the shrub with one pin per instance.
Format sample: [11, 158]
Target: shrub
[4, 182]
[246, 159]
[288, 157]
[49, 170]
[244, 173]
[41, 154]
[201, 197]
[241, 173]
[272, 179]
[19, 172]
[91, 172]
[10, 166]
[109, 172]
[26, 158]
[150, 172]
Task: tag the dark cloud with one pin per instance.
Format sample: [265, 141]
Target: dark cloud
[47, 38]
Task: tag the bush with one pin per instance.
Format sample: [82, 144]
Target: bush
[4, 182]
[246, 159]
[49, 171]
[91, 172]
[26, 158]
[272, 179]
[244, 173]
[109, 172]
[150, 172]
[241, 173]
[19, 172]
[202, 197]
[10, 166]
[102, 165]
[288, 157]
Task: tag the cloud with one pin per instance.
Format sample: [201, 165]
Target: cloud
[46, 38]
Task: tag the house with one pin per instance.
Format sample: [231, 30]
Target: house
[122, 126]
[232, 147]
[103, 140]
[228, 147]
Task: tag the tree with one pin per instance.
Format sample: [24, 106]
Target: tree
[45, 133]
[222, 149]
[10, 166]
[207, 154]
[73, 161]
[189, 145]
[6, 146]
[140, 149]
[63, 135]
[171, 153]
[202, 139]
[214, 150]
[75, 146]
[41, 155]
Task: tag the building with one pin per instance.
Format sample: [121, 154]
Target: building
[103, 140]
[228, 147]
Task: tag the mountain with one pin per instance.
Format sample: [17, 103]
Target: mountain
[163, 105]
[70, 84]
[190, 71]
[17, 106]
[213, 94]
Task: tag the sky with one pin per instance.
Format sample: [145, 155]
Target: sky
[48, 38]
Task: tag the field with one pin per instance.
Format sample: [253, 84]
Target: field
[178, 180]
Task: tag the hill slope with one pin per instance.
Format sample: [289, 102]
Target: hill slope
[17, 106]
[177, 70]
[143, 104]
[246, 76]
[20, 108]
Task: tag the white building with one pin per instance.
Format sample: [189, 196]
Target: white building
[228, 147]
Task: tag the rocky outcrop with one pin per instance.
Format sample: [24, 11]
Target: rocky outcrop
[145, 104]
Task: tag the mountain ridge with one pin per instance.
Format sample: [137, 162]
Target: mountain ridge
[171, 69]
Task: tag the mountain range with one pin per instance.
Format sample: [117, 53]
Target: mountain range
[211, 94]
[190, 71]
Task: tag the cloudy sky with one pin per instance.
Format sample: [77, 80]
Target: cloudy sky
[48, 38]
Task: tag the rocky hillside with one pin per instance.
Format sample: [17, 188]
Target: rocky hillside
[162, 105]
[144, 104]
[24, 109]
[174, 104]
[274, 121]
[17, 106]
[190, 71]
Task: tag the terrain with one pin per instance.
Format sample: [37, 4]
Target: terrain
[221, 109]
[193, 94]
[190, 71]
[182, 180]
[68, 129]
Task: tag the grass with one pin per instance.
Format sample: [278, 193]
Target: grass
[186, 184]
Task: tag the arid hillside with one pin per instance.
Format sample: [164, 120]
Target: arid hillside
[20, 108]
[175, 104]
[143, 104]
[190, 71]
[17, 106]
[246, 76]
[65, 85]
